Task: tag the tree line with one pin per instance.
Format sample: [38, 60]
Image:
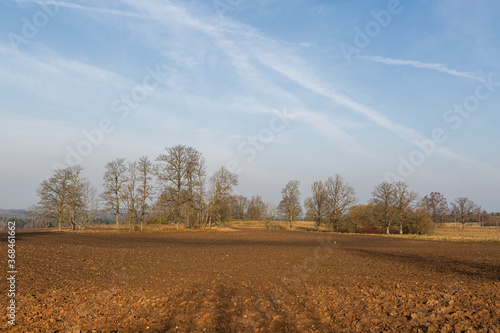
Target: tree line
[174, 188]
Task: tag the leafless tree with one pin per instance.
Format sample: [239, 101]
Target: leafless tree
[256, 209]
[113, 181]
[463, 209]
[289, 207]
[495, 219]
[317, 205]
[436, 205]
[384, 199]
[74, 194]
[130, 195]
[177, 173]
[404, 199]
[240, 206]
[340, 196]
[270, 214]
[67, 196]
[90, 204]
[221, 189]
[199, 192]
[53, 198]
[480, 215]
[145, 189]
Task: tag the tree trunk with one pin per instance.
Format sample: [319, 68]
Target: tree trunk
[387, 230]
[117, 220]
[400, 228]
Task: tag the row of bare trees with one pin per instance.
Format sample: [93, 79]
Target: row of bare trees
[128, 187]
[174, 189]
[393, 206]
[253, 209]
[330, 202]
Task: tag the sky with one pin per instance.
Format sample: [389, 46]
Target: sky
[273, 90]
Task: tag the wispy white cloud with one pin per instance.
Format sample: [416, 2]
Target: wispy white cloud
[245, 45]
[82, 8]
[296, 70]
[242, 61]
[53, 77]
[479, 166]
[419, 64]
[167, 28]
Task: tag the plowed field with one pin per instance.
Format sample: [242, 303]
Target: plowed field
[250, 280]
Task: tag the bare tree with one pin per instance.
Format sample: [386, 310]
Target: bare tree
[67, 197]
[199, 193]
[340, 196]
[114, 178]
[436, 205]
[463, 209]
[270, 214]
[177, 175]
[74, 195]
[90, 204]
[404, 199]
[240, 206]
[289, 207]
[480, 215]
[130, 194]
[256, 209]
[53, 198]
[317, 205]
[145, 190]
[384, 199]
[221, 189]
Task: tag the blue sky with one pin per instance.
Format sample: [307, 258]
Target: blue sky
[277, 90]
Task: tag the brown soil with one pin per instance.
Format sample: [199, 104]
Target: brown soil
[251, 280]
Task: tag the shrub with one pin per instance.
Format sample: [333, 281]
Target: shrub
[369, 229]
